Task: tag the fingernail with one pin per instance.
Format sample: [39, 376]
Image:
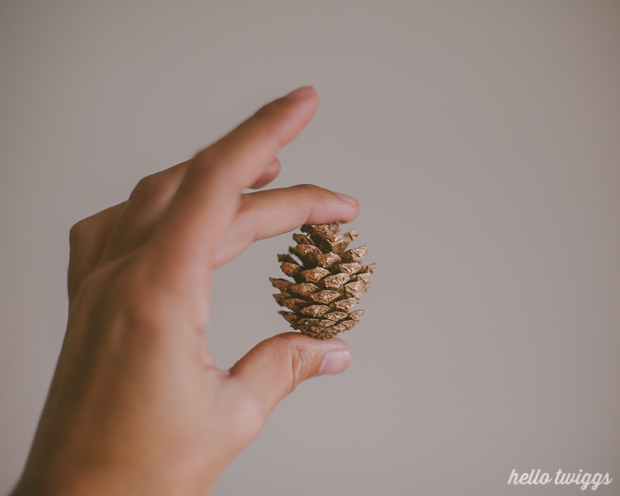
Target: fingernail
[348, 199]
[300, 93]
[335, 362]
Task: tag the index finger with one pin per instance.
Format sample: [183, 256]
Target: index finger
[206, 202]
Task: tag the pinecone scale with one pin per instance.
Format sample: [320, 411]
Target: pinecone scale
[328, 280]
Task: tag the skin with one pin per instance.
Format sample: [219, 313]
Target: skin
[136, 405]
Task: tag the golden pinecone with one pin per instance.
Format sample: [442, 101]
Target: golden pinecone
[328, 281]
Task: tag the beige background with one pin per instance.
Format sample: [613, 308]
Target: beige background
[483, 141]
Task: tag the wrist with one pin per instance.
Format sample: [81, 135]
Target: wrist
[69, 485]
[77, 484]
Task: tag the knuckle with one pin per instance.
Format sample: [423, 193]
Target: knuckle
[300, 360]
[310, 189]
[149, 187]
[79, 231]
[311, 199]
[215, 162]
[207, 157]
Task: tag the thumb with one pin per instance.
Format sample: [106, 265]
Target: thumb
[273, 368]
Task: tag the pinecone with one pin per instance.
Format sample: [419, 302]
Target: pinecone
[328, 281]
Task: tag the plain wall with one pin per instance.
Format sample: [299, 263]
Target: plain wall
[482, 139]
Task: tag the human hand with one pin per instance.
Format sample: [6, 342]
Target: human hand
[137, 405]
